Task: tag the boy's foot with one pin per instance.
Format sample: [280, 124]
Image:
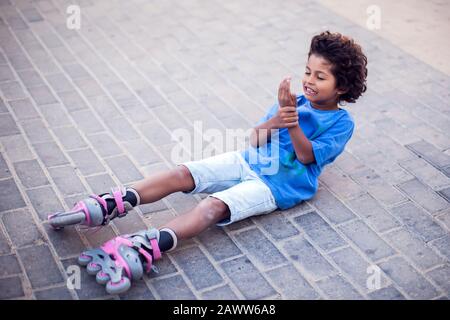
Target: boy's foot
[97, 210]
[123, 259]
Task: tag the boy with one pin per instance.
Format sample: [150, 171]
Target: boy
[289, 148]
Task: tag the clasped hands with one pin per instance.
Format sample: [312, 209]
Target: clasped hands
[286, 116]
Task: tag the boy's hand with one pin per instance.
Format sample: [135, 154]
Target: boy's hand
[285, 98]
[286, 117]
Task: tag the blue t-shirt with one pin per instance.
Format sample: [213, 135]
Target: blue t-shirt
[289, 180]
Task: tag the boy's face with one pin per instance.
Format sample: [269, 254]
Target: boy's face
[319, 83]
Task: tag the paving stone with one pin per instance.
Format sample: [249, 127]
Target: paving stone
[197, 267]
[55, 115]
[42, 95]
[30, 173]
[7, 126]
[424, 196]
[70, 138]
[354, 265]
[6, 73]
[124, 169]
[66, 180]
[4, 170]
[141, 152]
[104, 144]
[10, 195]
[331, 207]
[442, 245]
[21, 228]
[440, 276]
[72, 100]
[218, 244]
[414, 248]
[59, 82]
[86, 121]
[277, 225]
[430, 153]
[40, 266]
[11, 288]
[445, 193]
[301, 252]
[260, 248]
[221, 293]
[89, 288]
[373, 213]
[165, 267]
[426, 173]
[10, 266]
[76, 71]
[414, 284]
[138, 291]
[340, 183]
[44, 201]
[36, 131]
[23, 109]
[247, 278]
[58, 293]
[173, 288]
[16, 148]
[86, 161]
[100, 183]
[367, 240]
[292, 284]
[5, 247]
[155, 133]
[388, 293]
[121, 129]
[12, 90]
[319, 231]
[50, 154]
[337, 287]
[418, 221]
[377, 187]
[66, 242]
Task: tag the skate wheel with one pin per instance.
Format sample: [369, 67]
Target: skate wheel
[93, 268]
[118, 287]
[83, 259]
[102, 278]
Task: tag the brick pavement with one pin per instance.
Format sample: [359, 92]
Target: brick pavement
[83, 110]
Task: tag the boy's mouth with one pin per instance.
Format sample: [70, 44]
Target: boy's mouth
[308, 91]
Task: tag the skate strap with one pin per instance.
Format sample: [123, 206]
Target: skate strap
[155, 249]
[117, 194]
[101, 201]
[149, 259]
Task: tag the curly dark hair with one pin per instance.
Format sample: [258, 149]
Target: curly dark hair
[349, 64]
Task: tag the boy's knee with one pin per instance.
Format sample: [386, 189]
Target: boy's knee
[185, 176]
[214, 209]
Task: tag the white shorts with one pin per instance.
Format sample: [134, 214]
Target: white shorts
[228, 177]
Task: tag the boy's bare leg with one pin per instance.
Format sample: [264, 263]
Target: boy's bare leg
[161, 184]
[208, 212]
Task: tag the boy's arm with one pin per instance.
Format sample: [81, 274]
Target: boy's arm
[302, 146]
[262, 133]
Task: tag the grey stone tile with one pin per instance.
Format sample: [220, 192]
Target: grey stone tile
[10, 195]
[197, 267]
[247, 278]
[319, 231]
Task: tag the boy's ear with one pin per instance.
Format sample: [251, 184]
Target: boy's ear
[341, 91]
